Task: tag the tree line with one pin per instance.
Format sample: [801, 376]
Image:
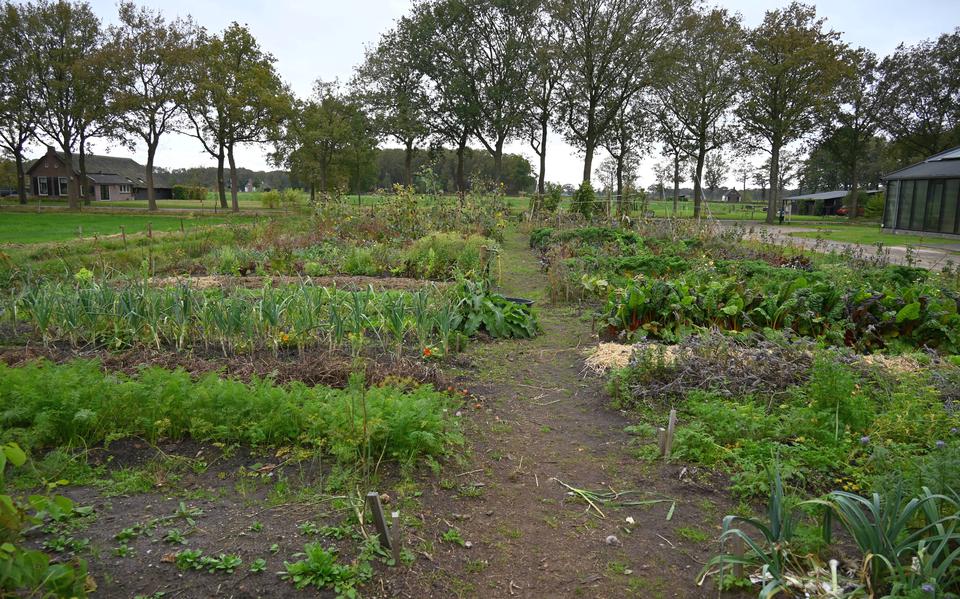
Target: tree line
[623, 76]
[619, 77]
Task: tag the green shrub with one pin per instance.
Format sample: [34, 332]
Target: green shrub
[440, 255]
[189, 192]
[359, 262]
[552, 197]
[584, 200]
[270, 199]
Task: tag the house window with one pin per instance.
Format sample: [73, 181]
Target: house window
[63, 186]
[42, 185]
[124, 189]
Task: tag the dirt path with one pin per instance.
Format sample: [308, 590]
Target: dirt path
[541, 421]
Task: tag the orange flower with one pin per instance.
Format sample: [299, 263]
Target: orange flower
[427, 352]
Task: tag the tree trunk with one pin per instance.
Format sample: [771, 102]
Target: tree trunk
[774, 182]
[313, 193]
[854, 207]
[151, 192]
[221, 180]
[408, 163]
[542, 178]
[234, 197]
[21, 178]
[697, 186]
[461, 178]
[620, 185]
[83, 175]
[498, 161]
[676, 183]
[588, 159]
[73, 198]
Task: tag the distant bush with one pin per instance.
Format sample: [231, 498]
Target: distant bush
[552, 197]
[584, 200]
[189, 192]
[287, 198]
[872, 205]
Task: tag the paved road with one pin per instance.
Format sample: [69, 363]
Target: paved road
[932, 257]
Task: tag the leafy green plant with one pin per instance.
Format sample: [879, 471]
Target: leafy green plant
[479, 309]
[26, 571]
[453, 536]
[769, 543]
[906, 542]
[319, 568]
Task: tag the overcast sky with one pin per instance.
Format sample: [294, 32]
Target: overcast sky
[325, 39]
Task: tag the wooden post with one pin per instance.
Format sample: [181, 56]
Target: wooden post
[80, 231]
[671, 428]
[150, 230]
[379, 521]
[662, 441]
[181, 226]
[738, 551]
[395, 542]
[123, 234]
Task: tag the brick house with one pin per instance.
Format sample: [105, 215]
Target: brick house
[108, 178]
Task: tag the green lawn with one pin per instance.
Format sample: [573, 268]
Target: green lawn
[31, 227]
[870, 235]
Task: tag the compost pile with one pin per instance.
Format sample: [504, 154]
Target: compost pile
[718, 363]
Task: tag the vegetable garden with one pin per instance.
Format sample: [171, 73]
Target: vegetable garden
[826, 384]
[818, 390]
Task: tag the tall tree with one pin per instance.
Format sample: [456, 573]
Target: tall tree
[700, 87]
[848, 135]
[98, 115]
[452, 112]
[257, 102]
[65, 34]
[391, 88]
[792, 67]
[921, 86]
[547, 70]
[622, 142]
[673, 138]
[614, 51]
[152, 77]
[206, 107]
[714, 171]
[328, 131]
[19, 103]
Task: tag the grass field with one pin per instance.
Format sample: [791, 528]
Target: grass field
[31, 227]
[870, 235]
[251, 201]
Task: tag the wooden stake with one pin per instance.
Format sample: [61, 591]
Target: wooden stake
[662, 441]
[671, 428]
[738, 551]
[395, 542]
[181, 226]
[80, 231]
[123, 234]
[379, 521]
[150, 230]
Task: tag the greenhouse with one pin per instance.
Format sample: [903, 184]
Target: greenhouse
[925, 196]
